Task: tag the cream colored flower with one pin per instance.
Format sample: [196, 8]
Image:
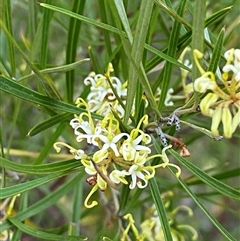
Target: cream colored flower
[222, 103]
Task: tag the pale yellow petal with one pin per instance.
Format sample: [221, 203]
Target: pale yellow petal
[227, 122]
[206, 103]
[216, 119]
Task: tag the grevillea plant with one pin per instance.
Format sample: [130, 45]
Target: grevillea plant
[119, 120]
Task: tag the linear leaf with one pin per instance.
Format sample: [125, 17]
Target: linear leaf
[208, 214]
[172, 51]
[45, 202]
[210, 181]
[160, 208]
[26, 186]
[47, 86]
[16, 89]
[112, 29]
[50, 168]
[6, 5]
[217, 52]
[41, 234]
[72, 43]
[62, 68]
[47, 15]
[137, 53]
[49, 123]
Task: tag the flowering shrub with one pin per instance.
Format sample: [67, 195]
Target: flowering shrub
[141, 148]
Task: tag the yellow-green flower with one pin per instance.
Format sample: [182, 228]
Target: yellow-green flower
[222, 102]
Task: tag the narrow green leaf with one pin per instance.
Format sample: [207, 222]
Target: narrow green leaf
[219, 176]
[62, 68]
[60, 118]
[36, 44]
[208, 180]
[172, 13]
[217, 52]
[72, 43]
[124, 19]
[172, 51]
[137, 53]
[47, 86]
[160, 208]
[6, 5]
[94, 61]
[216, 16]
[77, 209]
[26, 186]
[47, 15]
[2, 9]
[45, 202]
[43, 169]
[104, 17]
[197, 34]
[32, 17]
[203, 130]
[14, 88]
[208, 214]
[41, 234]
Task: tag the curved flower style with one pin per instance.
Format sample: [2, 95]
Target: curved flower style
[222, 103]
[187, 87]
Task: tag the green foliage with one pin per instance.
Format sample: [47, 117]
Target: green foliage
[47, 50]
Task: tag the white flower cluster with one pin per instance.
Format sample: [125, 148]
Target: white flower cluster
[102, 98]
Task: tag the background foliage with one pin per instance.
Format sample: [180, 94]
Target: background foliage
[46, 52]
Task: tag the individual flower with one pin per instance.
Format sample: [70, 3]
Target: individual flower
[111, 137]
[133, 143]
[139, 175]
[118, 176]
[222, 101]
